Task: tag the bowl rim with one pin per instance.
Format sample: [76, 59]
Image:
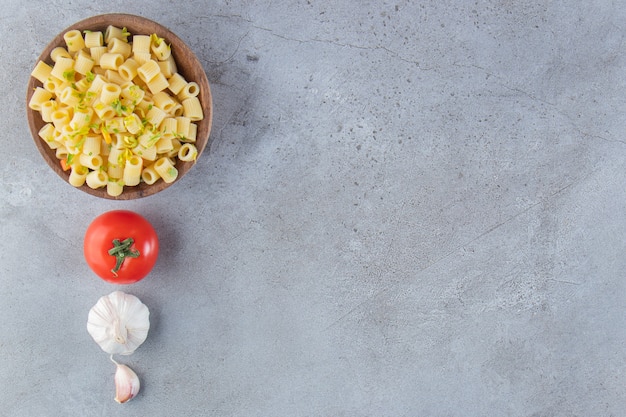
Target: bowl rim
[180, 49]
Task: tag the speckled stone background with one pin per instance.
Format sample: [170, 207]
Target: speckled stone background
[408, 208]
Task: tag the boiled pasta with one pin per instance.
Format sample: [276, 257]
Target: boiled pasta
[169, 126]
[192, 109]
[148, 70]
[47, 133]
[63, 68]
[164, 101]
[104, 112]
[176, 83]
[96, 53]
[96, 179]
[53, 84]
[82, 85]
[93, 39]
[149, 175]
[168, 67]
[133, 123]
[78, 175]
[187, 152]
[97, 84]
[132, 170]
[128, 70]
[161, 50]
[114, 76]
[92, 145]
[46, 109]
[113, 32]
[183, 125]
[189, 90]
[142, 57]
[111, 61]
[41, 71]
[115, 171]
[39, 97]
[117, 112]
[155, 116]
[93, 162]
[166, 169]
[158, 83]
[60, 118]
[110, 92]
[61, 153]
[83, 63]
[141, 44]
[119, 46]
[193, 132]
[69, 96]
[115, 187]
[74, 40]
[59, 52]
[176, 144]
[81, 119]
[164, 145]
[147, 154]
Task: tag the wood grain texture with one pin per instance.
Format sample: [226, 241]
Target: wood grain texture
[188, 66]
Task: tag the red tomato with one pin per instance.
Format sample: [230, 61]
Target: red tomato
[121, 246]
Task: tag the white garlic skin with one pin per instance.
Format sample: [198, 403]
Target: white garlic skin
[119, 323]
[126, 384]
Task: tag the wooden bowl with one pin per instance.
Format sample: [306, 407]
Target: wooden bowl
[188, 66]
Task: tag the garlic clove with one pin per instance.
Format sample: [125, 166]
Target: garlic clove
[126, 384]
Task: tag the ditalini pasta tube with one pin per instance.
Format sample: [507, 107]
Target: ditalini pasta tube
[110, 92]
[120, 46]
[141, 44]
[166, 170]
[78, 174]
[93, 162]
[74, 40]
[46, 110]
[42, 71]
[97, 52]
[97, 179]
[132, 170]
[83, 63]
[149, 175]
[115, 171]
[92, 145]
[168, 67]
[148, 71]
[93, 39]
[160, 49]
[111, 61]
[128, 70]
[192, 109]
[189, 90]
[164, 101]
[39, 98]
[158, 83]
[114, 187]
[59, 52]
[147, 154]
[187, 152]
[63, 68]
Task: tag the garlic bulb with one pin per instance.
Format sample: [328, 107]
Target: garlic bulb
[119, 323]
[126, 383]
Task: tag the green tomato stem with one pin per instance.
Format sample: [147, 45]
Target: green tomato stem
[121, 251]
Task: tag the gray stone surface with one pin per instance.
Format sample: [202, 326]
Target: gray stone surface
[407, 209]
